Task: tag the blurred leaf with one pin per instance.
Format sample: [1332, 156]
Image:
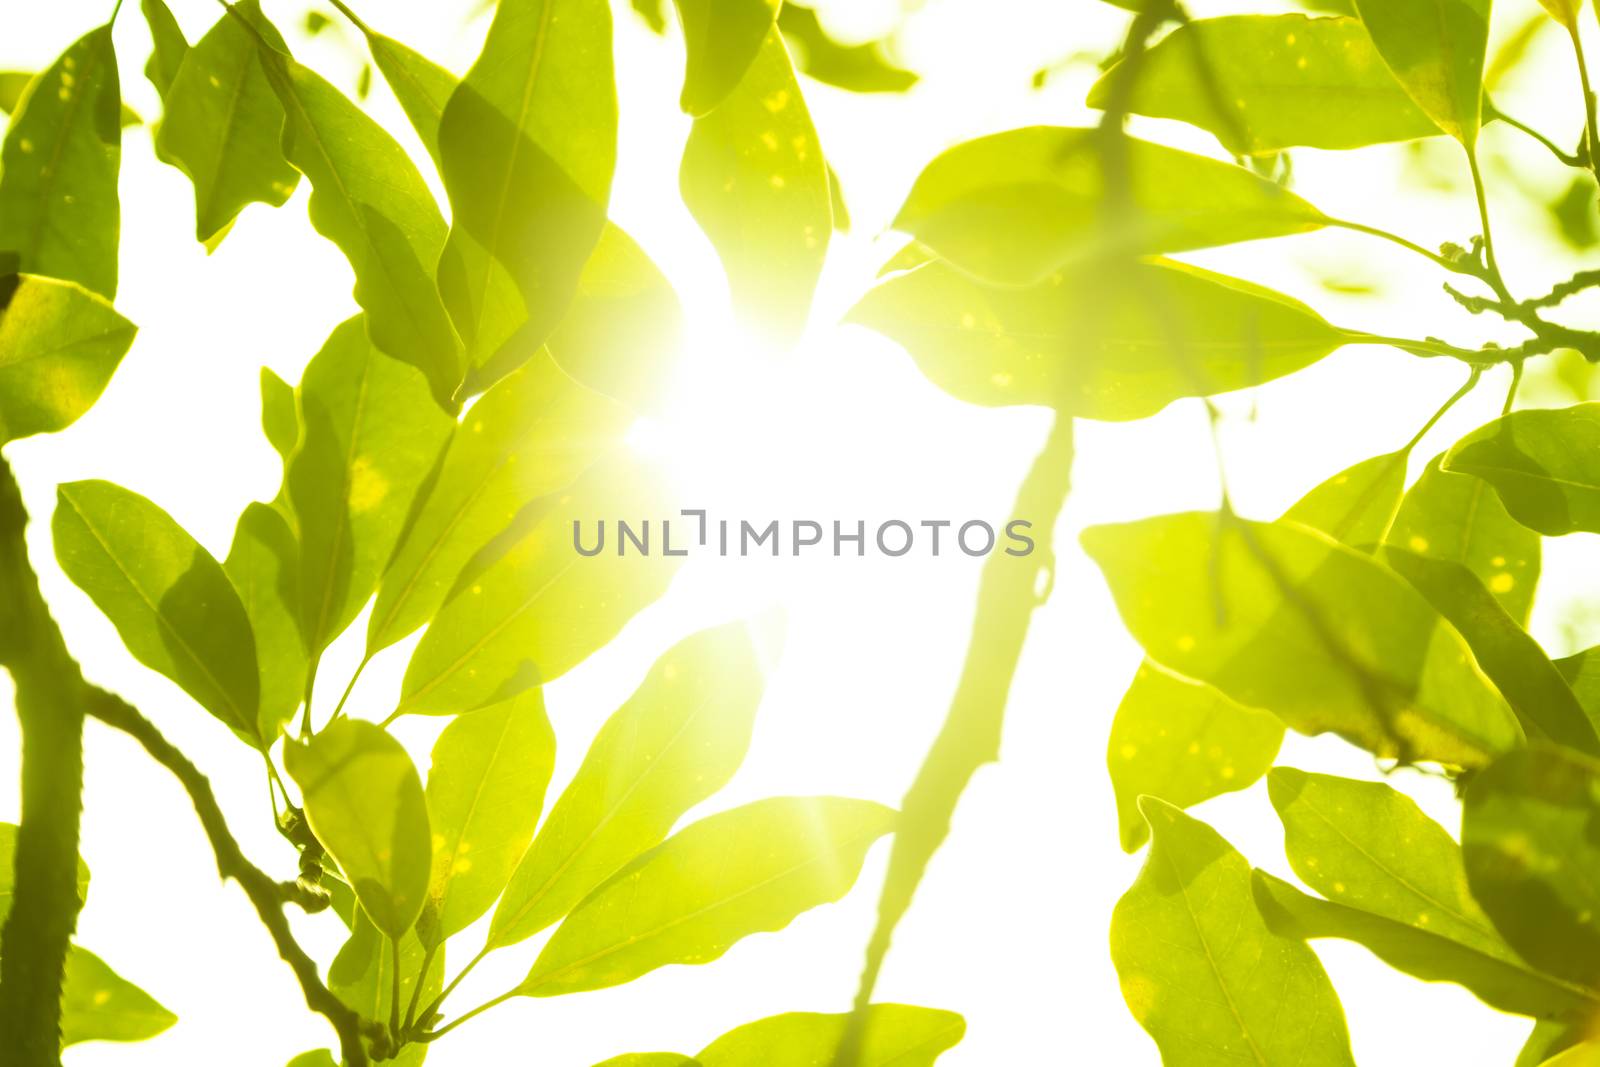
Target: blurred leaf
[1512, 659]
[319, 1058]
[263, 566]
[1096, 344]
[897, 1035]
[676, 741]
[527, 146]
[649, 1059]
[1586, 1054]
[1513, 50]
[754, 177]
[364, 802]
[1281, 618]
[1563, 11]
[654, 13]
[1356, 505]
[371, 435]
[1436, 50]
[1184, 743]
[541, 608]
[8, 853]
[1285, 81]
[224, 125]
[168, 45]
[367, 198]
[724, 39]
[59, 212]
[1574, 214]
[97, 1004]
[1532, 861]
[485, 791]
[740, 872]
[1498, 979]
[1458, 518]
[169, 599]
[860, 68]
[841, 212]
[1203, 974]
[59, 346]
[1015, 207]
[363, 976]
[1544, 464]
[1582, 673]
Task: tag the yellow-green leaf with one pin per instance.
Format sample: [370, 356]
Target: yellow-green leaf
[98, 1004]
[1436, 50]
[676, 741]
[59, 345]
[168, 45]
[746, 871]
[363, 976]
[1544, 463]
[722, 39]
[364, 801]
[1357, 505]
[263, 566]
[896, 1035]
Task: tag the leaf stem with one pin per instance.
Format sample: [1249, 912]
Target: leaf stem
[1471, 382]
[449, 988]
[1491, 263]
[355, 19]
[311, 685]
[416, 990]
[1591, 127]
[479, 1010]
[1567, 158]
[338, 708]
[1394, 238]
[394, 992]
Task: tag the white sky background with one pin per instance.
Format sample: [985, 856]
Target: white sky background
[1010, 928]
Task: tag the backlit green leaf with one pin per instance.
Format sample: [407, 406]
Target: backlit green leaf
[1511, 658]
[1263, 83]
[1498, 978]
[1201, 971]
[1545, 464]
[263, 566]
[1582, 674]
[224, 125]
[59, 345]
[280, 414]
[168, 45]
[723, 39]
[1436, 49]
[754, 177]
[367, 198]
[421, 85]
[1532, 860]
[363, 976]
[59, 211]
[169, 599]
[897, 1035]
[485, 792]
[317, 1058]
[13, 82]
[741, 872]
[527, 146]
[1460, 518]
[1099, 346]
[676, 741]
[542, 607]
[364, 802]
[1184, 743]
[1564, 11]
[860, 68]
[97, 1004]
[531, 434]
[1282, 618]
[1016, 207]
[371, 436]
[649, 1059]
[1356, 505]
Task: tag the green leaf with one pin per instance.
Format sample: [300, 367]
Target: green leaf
[13, 82]
[860, 68]
[1435, 48]
[8, 853]
[317, 1058]
[1201, 971]
[754, 178]
[1090, 344]
[1279, 617]
[280, 414]
[723, 39]
[364, 802]
[1015, 207]
[368, 198]
[1545, 464]
[1512, 659]
[1584, 1055]
[59, 212]
[1532, 861]
[1457, 517]
[1263, 83]
[485, 791]
[676, 741]
[363, 976]
[527, 146]
[1564, 11]
[1546, 1040]
[97, 1004]
[169, 599]
[371, 436]
[1357, 505]
[1184, 743]
[541, 608]
[649, 1059]
[531, 434]
[741, 872]
[897, 1035]
[421, 86]
[168, 42]
[59, 346]
[224, 125]
[1582, 674]
[1499, 979]
[263, 566]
